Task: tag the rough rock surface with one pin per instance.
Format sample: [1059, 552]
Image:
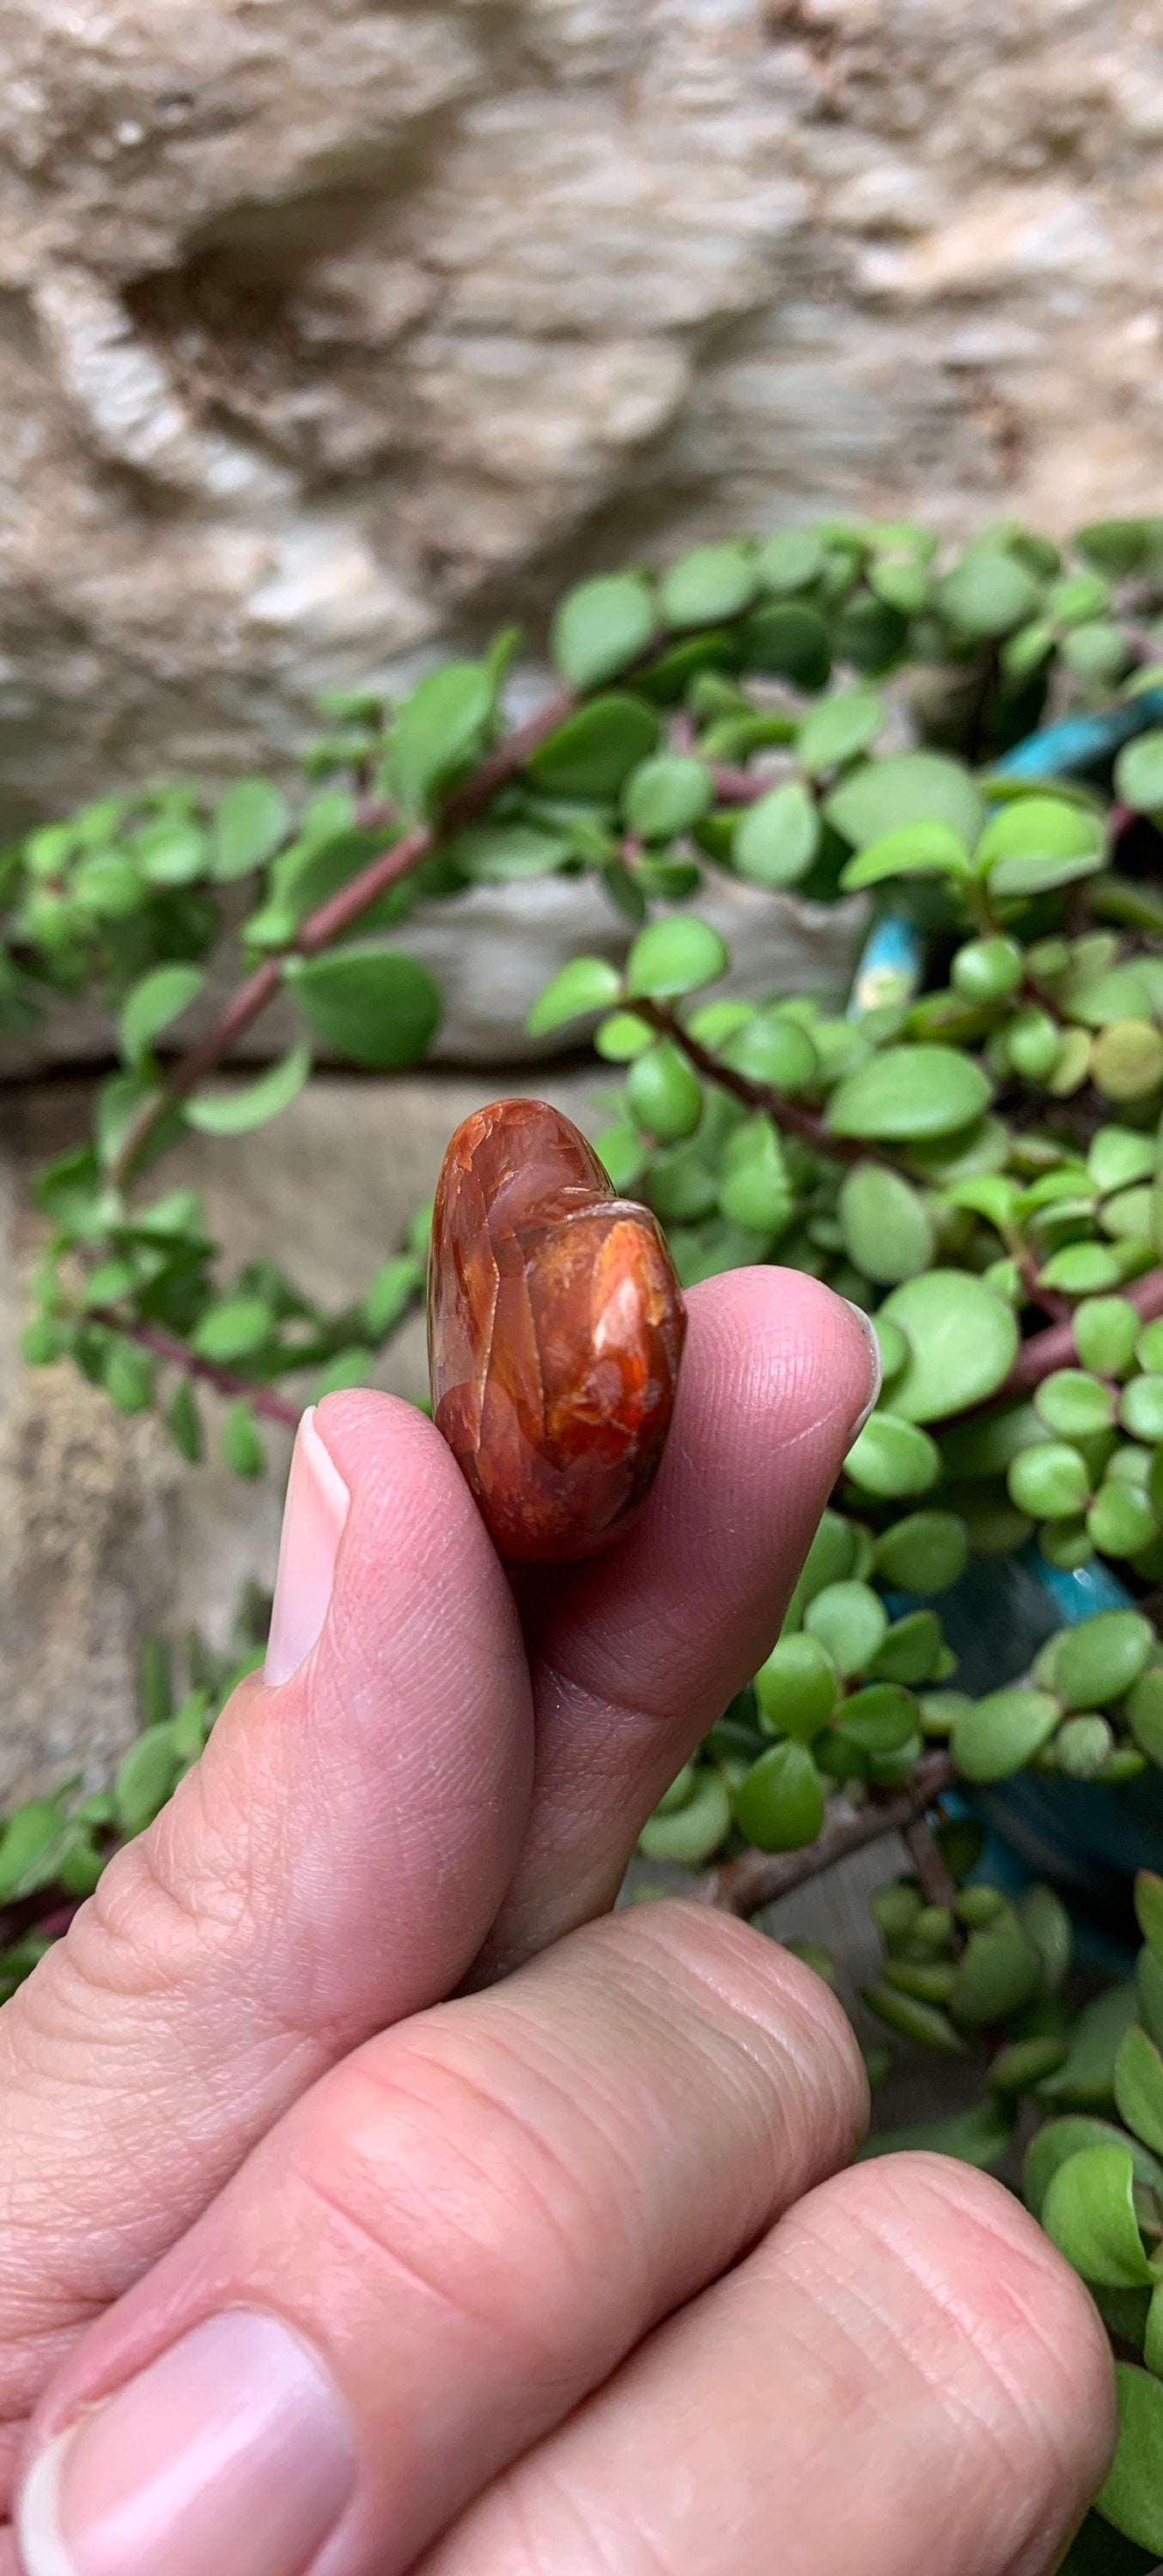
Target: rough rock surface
[330, 329]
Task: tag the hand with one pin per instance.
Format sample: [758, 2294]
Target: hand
[307, 2271]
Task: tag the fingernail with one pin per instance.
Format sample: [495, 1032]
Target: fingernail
[313, 1516]
[875, 1361]
[234, 2451]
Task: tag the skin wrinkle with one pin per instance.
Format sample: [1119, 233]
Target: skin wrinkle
[971, 2504]
[915, 2348]
[1026, 2312]
[564, 2233]
[819, 2044]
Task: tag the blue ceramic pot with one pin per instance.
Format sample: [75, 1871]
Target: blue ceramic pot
[1087, 1841]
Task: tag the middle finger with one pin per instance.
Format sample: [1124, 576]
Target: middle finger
[454, 2238]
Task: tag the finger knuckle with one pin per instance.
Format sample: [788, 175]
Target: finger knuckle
[480, 2174]
[987, 2308]
[769, 2004]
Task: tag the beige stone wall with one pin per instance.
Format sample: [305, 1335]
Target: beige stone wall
[329, 329]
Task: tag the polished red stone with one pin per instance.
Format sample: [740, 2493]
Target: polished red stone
[555, 1329]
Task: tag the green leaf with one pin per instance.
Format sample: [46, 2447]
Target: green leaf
[673, 957]
[911, 1651]
[232, 1330]
[710, 586]
[1086, 2082]
[1132, 2497]
[591, 755]
[185, 1423]
[667, 794]
[1139, 2087]
[850, 1622]
[915, 849]
[621, 1151]
[754, 1188]
[925, 1552]
[440, 728]
[1061, 2139]
[911, 787]
[1089, 2213]
[773, 1049]
[241, 1445]
[30, 1848]
[1117, 546]
[1141, 1408]
[1039, 842]
[777, 839]
[155, 1001]
[988, 593]
[1153, 2337]
[1000, 1733]
[976, 2137]
[1045, 1919]
[350, 1367]
[693, 1833]
[506, 853]
[791, 559]
[390, 1295]
[1106, 1330]
[127, 1376]
[962, 1339]
[1025, 2063]
[836, 731]
[601, 628]
[779, 1805]
[909, 1091]
[888, 1231]
[924, 2023]
[1080, 1269]
[664, 1094]
[1120, 1521]
[236, 1113]
[1095, 1663]
[1072, 1404]
[1149, 1909]
[1051, 1482]
[586, 984]
[108, 887]
[988, 970]
[251, 821]
[371, 1002]
[877, 1720]
[1139, 773]
[790, 642]
[146, 1779]
[796, 1687]
[999, 1972]
[171, 852]
[892, 1458]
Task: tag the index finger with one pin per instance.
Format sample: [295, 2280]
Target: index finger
[634, 1655]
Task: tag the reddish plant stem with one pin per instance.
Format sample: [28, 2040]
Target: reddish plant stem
[786, 1114]
[1054, 1349]
[739, 786]
[262, 1399]
[1051, 1303]
[755, 1879]
[330, 919]
[49, 1912]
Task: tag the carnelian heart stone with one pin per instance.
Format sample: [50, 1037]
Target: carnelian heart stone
[555, 1329]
